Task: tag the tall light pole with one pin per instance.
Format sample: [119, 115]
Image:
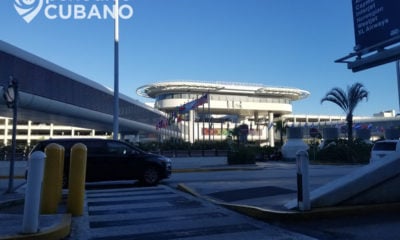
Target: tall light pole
[11, 97]
[116, 71]
[398, 80]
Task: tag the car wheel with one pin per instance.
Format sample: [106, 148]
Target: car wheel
[151, 176]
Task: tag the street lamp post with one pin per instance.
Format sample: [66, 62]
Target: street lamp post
[116, 71]
[11, 97]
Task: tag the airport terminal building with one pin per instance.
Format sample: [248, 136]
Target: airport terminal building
[210, 109]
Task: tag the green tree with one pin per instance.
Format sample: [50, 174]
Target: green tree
[347, 101]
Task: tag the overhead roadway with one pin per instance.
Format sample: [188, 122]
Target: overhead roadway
[51, 94]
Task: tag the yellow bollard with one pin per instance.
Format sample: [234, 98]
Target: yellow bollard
[61, 175]
[51, 179]
[77, 176]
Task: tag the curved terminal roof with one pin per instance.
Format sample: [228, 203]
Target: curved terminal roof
[153, 90]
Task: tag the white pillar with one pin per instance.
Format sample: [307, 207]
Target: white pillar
[191, 130]
[303, 193]
[30, 223]
[51, 130]
[6, 131]
[29, 137]
[271, 129]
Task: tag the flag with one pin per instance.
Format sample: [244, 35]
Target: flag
[162, 123]
[179, 118]
[185, 108]
[202, 100]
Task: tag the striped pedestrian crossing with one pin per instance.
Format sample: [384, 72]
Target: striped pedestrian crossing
[164, 213]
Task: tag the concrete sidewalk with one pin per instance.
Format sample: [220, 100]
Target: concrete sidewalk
[51, 226]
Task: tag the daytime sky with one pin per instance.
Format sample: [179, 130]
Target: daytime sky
[287, 43]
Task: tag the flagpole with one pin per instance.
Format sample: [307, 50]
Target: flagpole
[202, 144]
[116, 71]
[209, 116]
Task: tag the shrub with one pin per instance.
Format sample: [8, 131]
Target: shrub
[241, 155]
[339, 151]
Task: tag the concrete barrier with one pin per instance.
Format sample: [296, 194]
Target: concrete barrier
[374, 183]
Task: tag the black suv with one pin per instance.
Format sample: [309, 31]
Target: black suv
[114, 160]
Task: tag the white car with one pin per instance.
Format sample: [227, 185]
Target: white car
[385, 149]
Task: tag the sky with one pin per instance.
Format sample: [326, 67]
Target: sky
[288, 43]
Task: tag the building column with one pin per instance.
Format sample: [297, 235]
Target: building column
[5, 140]
[256, 124]
[271, 129]
[51, 130]
[190, 126]
[29, 137]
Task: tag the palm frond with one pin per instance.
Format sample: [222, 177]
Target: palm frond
[337, 96]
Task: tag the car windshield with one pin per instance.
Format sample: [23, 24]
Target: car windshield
[385, 146]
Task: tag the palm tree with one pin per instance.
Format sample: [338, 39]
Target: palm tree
[348, 102]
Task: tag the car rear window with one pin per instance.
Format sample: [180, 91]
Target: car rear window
[385, 146]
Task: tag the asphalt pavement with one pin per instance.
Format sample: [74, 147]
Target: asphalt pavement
[185, 212]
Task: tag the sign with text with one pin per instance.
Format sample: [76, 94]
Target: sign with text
[376, 24]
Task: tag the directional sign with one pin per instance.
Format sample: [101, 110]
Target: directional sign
[376, 24]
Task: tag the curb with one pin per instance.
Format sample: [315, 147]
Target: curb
[56, 231]
[292, 215]
[15, 177]
[10, 203]
[215, 169]
[256, 212]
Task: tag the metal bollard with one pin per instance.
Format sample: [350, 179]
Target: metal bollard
[303, 193]
[77, 176]
[30, 223]
[52, 185]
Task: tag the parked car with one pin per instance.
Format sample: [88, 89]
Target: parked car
[384, 149]
[114, 160]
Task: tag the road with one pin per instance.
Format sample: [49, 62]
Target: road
[269, 174]
[375, 225]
